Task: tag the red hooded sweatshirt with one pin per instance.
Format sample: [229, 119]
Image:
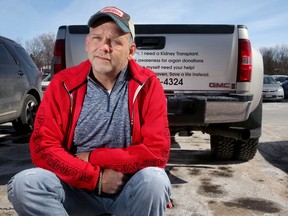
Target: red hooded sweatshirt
[51, 143]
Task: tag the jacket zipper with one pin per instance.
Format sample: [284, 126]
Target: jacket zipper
[69, 117]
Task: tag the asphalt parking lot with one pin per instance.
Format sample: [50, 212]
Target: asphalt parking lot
[200, 185]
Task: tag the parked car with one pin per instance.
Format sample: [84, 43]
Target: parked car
[280, 78]
[45, 82]
[272, 90]
[20, 86]
[285, 88]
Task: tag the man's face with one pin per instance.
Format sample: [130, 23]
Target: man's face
[109, 48]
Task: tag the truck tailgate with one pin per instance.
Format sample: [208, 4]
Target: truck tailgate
[190, 57]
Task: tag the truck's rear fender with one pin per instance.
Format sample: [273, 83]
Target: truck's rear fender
[256, 78]
[251, 128]
[250, 68]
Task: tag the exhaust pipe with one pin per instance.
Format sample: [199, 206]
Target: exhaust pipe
[240, 134]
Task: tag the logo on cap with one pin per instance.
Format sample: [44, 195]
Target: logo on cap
[114, 11]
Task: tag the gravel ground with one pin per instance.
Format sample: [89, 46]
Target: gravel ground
[200, 185]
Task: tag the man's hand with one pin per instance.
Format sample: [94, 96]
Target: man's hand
[83, 155]
[112, 181]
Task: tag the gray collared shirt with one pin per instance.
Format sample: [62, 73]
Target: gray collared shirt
[104, 119]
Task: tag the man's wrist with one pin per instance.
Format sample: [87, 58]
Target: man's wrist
[85, 156]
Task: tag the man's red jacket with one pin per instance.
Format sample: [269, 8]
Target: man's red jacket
[51, 143]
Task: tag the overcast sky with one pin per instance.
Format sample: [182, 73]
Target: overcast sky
[267, 20]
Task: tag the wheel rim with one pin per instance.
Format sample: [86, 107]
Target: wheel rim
[31, 110]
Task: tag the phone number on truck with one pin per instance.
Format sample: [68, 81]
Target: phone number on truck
[172, 81]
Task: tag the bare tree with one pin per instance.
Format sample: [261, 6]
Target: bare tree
[34, 48]
[41, 50]
[275, 59]
[48, 45]
[281, 57]
[268, 60]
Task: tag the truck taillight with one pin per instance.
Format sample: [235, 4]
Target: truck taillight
[244, 61]
[59, 56]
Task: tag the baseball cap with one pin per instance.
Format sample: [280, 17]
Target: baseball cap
[121, 18]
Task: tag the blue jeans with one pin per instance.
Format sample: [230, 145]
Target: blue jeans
[40, 192]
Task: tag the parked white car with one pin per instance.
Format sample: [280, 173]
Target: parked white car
[45, 82]
[272, 90]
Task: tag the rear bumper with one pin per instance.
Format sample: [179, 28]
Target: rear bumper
[185, 110]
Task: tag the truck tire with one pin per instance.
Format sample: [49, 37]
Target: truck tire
[25, 122]
[225, 148]
[222, 148]
[246, 150]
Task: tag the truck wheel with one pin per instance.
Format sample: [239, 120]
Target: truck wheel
[246, 150]
[25, 122]
[222, 148]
